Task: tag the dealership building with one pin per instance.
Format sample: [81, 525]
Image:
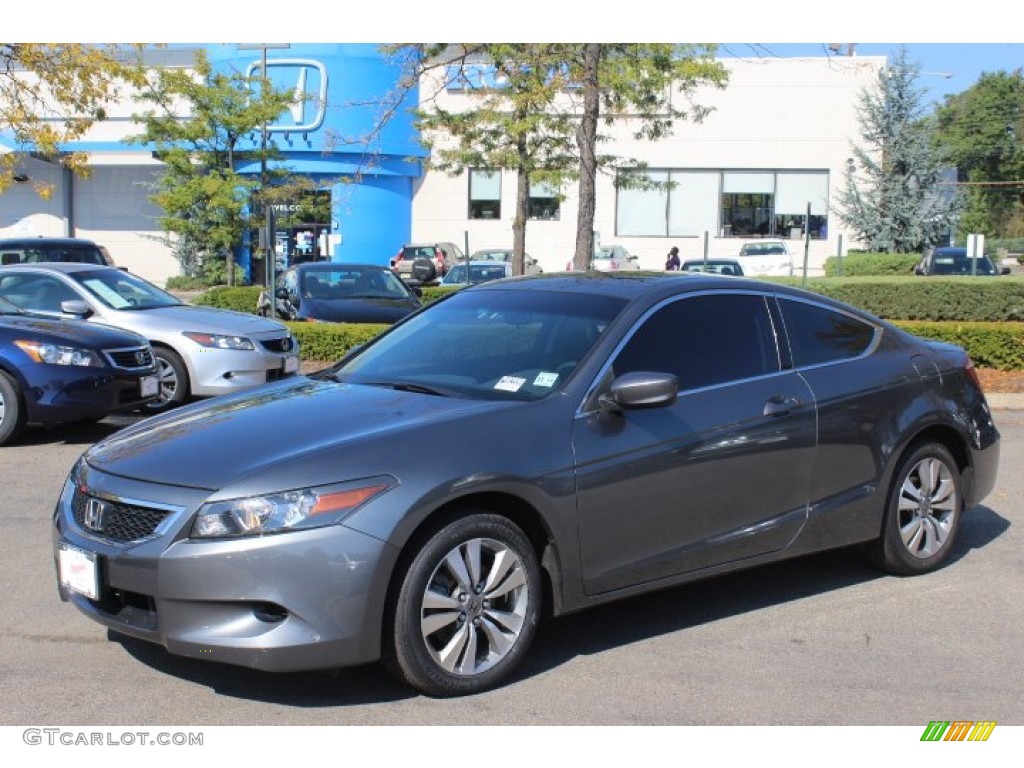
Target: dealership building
[775, 144]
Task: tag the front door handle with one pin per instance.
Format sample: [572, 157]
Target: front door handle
[780, 405]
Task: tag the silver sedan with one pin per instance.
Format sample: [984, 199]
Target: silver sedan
[200, 351]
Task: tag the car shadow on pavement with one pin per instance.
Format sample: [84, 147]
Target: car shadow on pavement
[83, 433]
[589, 632]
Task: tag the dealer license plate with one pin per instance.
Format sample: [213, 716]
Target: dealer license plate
[149, 386]
[79, 570]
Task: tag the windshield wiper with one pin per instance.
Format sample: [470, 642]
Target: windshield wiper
[408, 386]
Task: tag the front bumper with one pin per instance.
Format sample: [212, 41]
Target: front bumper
[56, 394]
[302, 600]
[222, 371]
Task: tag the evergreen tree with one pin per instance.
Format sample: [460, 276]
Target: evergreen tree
[897, 197]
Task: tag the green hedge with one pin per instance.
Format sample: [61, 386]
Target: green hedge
[240, 298]
[990, 345]
[872, 264]
[330, 341]
[961, 299]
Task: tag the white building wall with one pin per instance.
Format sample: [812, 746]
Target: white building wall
[774, 114]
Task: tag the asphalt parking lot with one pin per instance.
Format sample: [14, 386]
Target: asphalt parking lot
[819, 640]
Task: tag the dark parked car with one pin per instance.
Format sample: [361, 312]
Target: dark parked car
[426, 262]
[34, 250]
[955, 261]
[342, 293]
[578, 438]
[54, 371]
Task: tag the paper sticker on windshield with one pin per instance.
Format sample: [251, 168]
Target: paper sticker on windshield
[545, 379]
[510, 383]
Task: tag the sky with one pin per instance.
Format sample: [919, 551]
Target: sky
[945, 68]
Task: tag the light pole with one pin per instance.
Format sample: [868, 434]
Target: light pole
[270, 251]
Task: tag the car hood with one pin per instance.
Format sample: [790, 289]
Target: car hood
[185, 317]
[71, 332]
[267, 430]
[358, 310]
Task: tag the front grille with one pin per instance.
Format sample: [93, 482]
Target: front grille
[286, 344]
[115, 522]
[132, 357]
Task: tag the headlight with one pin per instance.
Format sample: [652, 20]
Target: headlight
[55, 354]
[217, 341]
[291, 510]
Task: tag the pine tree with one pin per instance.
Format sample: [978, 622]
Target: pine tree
[896, 196]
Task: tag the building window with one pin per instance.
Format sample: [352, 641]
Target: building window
[484, 194]
[544, 202]
[727, 203]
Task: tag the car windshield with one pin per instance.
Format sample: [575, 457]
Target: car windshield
[492, 256]
[120, 290]
[960, 264]
[763, 249]
[486, 344]
[478, 273]
[352, 282]
[6, 308]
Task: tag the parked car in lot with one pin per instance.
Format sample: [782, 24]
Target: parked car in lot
[35, 250]
[579, 438]
[55, 371]
[479, 272]
[766, 258]
[530, 265]
[613, 258]
[200, 351]
[426, 262]
[955, 261]
[713, 266]
[342, 293]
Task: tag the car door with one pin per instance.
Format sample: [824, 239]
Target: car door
[721, 474]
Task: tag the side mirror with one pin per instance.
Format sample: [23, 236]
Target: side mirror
[640, 389]
[417, 291]
[75, 308]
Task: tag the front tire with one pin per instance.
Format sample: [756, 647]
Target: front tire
[467, 608]
[923, 512]
[174, 382]
[12, 413]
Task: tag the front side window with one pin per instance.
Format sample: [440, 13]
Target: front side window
[484, 194]
[821, 335]
[704, 341]
[36, 293]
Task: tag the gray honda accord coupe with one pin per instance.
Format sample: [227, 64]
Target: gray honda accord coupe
[524, 448]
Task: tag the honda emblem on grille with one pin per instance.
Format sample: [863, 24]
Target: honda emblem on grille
[94, 510]
[141, 357]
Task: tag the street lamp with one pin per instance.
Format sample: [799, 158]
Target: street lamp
[270, 252]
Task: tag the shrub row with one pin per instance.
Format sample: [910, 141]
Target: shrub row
[960, 299]
[872, 264]
[990, 345]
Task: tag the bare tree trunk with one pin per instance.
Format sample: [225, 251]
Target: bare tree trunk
[522, 211]
[586, 140]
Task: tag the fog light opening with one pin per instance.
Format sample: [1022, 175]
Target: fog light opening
[269, 612]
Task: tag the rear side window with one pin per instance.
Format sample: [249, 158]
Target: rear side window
[821, 335]
[704, 340]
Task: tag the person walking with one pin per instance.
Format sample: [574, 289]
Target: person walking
[673, 263]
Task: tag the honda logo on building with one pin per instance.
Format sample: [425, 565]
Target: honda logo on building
[307, 81]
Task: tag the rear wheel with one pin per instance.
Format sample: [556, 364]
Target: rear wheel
[174, 384]
[923, 513]
[466, 609]
[12, 413]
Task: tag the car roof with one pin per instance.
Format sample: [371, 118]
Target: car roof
[59, 266]
[310, 266]
[25, 242]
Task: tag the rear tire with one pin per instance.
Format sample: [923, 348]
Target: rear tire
[923, 512]
[466, 609]
[12, 411]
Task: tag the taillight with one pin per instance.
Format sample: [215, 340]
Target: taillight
[972, 373]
